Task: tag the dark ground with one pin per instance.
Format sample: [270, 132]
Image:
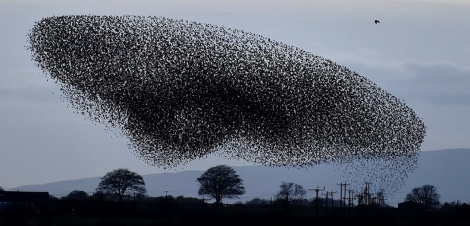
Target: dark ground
[72, 213]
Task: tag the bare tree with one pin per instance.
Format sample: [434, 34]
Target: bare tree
[122, 182]
[221, 182]
[426, 195]
[291, 193]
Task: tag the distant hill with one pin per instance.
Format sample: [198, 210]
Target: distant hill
[446, 169]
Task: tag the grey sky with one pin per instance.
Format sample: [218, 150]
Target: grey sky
[420, 52]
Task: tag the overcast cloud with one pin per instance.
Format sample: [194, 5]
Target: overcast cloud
[419, 53]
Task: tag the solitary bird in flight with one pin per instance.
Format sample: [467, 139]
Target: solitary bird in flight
[377, 22]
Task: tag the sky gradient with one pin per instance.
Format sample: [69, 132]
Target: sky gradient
[419, 53]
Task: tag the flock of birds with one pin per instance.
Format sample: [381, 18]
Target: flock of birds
[181, 90]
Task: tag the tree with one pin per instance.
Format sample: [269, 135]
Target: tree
[426, 195]
[76, 195]
[1, 189]
[258, 202]
[122, 182]
[291, 193]
[220, 182]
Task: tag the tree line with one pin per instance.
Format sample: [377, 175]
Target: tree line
[121, 196]
[221, 182]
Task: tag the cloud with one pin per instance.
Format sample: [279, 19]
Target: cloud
[434, 82]
[440, 83]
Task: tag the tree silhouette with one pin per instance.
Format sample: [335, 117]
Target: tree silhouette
[122, 182]
[258, 202]
[221, 182]
[76, 195]
[426, 195]
[291, 193]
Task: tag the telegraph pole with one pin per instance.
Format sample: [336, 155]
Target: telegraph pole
[350, 197]
[340, 194]
[326, 201]
[316, 198]
[342, 204]
[331, 195]
[368, 193]
[360, 199]
[381, 198]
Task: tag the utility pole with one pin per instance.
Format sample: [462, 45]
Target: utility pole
[360, 199]
[331, 195]
[340, 194]
[381, 198]
[350, 197]
[342, 204]
[367, 193]
[316, 198]
[326, 201]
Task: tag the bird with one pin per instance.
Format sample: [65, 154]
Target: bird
[170, 110]
[377, 22]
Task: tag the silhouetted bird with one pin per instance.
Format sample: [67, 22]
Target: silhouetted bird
[181, 90]
[377, 22]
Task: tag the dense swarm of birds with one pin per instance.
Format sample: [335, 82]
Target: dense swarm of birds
[180, 90]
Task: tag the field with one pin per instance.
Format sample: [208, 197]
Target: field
[170, 213]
